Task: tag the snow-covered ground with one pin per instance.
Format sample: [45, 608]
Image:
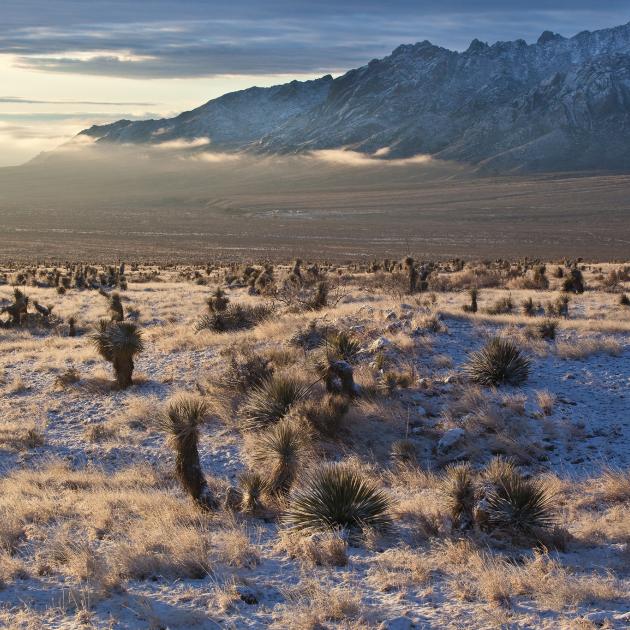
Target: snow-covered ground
[56, 571]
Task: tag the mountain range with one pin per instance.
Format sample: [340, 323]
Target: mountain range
[559, 104]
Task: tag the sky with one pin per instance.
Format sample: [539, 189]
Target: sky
[68, 64]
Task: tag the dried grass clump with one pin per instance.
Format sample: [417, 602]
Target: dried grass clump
[323, 549]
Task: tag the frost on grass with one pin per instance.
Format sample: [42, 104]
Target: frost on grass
[474, 473]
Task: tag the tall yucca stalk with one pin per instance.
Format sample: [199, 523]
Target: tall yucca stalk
[337, 496]
[498, 362]
[182, 418]
[118, 343]
[280, 451]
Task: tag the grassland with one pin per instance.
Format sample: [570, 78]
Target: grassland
[101, 526]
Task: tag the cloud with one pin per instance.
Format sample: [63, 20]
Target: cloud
[354, 158]
[180, 145]
[213, 158]
[187, 38]
[28, 101]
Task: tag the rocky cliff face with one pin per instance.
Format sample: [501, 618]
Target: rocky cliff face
[558, 104]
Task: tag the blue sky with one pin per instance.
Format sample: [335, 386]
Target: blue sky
[67, 63]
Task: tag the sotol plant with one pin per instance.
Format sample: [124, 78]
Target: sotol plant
[498, 362]
[118, 343]
[181, 420]
[337, 496]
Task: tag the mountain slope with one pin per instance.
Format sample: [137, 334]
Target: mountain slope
[558, 104]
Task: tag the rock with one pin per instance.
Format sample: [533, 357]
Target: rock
[379, 344]
[391, 316]
[406, 307]
[450, 439]
[398, 623]
[420, 410]
[599, 617]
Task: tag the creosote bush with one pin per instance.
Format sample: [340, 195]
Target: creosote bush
[337, 496]
[118, 343]
[498, 362]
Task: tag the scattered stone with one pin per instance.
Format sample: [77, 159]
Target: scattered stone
[379, 344]
[398, 623]
[450, 439]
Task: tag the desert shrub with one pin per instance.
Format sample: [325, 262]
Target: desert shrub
[337, 496]
[547, 329]
[271, 401]
[574, 282]
[624, 300]
[118, 343]
[498, 362]
[234, 317]
[280, 451]
[181, 420]
[501, 307]
[311, 337]
[472, 307]
[246, 371]
[498, 469]
[218, 301]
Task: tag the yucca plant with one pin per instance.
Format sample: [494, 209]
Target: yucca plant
[472, 307]
[118, 343]
[272, 400]
[528, 307]
[182, 418]
[337, 496]
[498, 362]
[253, 486]
[218, 301]
[342, 346]
[459, 490]
[498, 469]
[519, 504]
[547, 329]
[280, 451]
